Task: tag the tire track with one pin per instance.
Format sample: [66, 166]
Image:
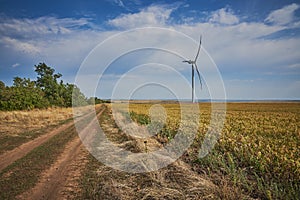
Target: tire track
[62, 177]
[9, 157]
[17, 153]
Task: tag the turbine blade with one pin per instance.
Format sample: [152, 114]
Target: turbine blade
[198, 75]
[198, 49]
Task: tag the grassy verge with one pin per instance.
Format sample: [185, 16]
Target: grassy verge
[95, 184]
[15, 122]
[91, 181]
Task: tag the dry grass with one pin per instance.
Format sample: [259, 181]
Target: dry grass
[176, 181]
[18, 127]
[17, 122]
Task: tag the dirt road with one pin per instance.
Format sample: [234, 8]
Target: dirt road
[61, 179]
[64, 178]
[9, 157]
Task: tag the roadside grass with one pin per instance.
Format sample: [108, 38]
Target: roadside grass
[15, 122]
[91, 184]
[18, 127]
[173, 182]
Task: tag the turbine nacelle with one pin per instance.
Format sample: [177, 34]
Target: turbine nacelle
[189, 61]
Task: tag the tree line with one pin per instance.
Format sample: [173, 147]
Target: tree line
[46, 91]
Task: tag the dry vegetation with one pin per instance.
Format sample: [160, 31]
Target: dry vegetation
[16, 122]
[176, 181]
[18, 127]
[257, 154]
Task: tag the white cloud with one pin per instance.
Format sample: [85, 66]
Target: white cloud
[283, 16]
[294, 66]
[242, 47]
[224, 16]
[15, 65]
[40, 27]
[26, 47]
[151, 16]
[60, 41]
[119, 3]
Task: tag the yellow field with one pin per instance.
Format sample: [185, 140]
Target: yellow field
[258, 149]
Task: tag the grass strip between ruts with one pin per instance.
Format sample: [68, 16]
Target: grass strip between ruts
[8, 142]
[25, 172]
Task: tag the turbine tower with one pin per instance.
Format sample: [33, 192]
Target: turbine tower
[194, 66]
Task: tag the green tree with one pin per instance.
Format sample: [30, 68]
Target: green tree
[22, 95]
[58, 94]
[2, 95]
[78, 98]
[47, 81]
[96, 100]
[2, 86]
[45, 91]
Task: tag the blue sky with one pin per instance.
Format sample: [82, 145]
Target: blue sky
[255, 46]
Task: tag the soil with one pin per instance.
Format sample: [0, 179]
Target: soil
[62, 176]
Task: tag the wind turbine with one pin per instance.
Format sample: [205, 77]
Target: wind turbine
[194, 66]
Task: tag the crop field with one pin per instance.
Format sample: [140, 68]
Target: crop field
[256, 156]
[258, 152]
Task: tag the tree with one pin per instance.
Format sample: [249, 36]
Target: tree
[22, 95]
[45, 91]
[2, 86]
[2, 95]
[96, 100]
[78, 98]
[47, 81]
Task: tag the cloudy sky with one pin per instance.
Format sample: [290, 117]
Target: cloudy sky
[135, 48]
